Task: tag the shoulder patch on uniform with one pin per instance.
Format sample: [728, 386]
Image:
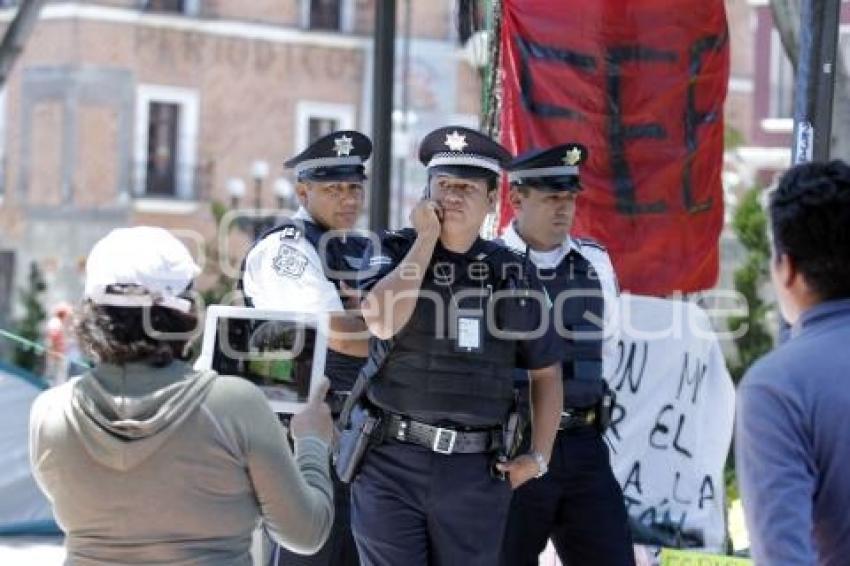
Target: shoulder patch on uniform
[289, 262]
[590, 242]
[290, 233]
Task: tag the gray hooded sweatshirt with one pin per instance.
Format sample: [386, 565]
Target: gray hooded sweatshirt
[173, 466]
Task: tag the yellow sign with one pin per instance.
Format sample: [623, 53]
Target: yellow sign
[672, 557]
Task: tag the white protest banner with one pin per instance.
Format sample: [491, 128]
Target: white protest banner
[672, 423]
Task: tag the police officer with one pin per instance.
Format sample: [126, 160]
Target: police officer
[447, 309]
[578, 503]
[303, 265]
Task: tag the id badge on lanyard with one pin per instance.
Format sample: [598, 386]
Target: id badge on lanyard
[469, 337]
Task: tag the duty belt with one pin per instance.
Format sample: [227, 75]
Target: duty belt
[575, 418]
[442, 440]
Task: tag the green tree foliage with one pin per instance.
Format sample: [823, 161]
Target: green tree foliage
[750, 226]
[221, 283]
[30, 326]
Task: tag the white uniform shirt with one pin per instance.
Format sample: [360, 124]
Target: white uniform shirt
[286, 273]
[601, 262]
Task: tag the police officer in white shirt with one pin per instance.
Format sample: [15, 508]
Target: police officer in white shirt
[306, 264]
[578, 503]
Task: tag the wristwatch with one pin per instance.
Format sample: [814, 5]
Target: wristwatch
[542, 465]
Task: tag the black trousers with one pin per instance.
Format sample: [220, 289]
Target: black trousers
[578, 503]
[339, 549]
[414, 507]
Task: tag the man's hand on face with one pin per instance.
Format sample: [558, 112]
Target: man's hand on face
[426, 219]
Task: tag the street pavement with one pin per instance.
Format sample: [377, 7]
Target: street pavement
[31, 551]
[48, 551]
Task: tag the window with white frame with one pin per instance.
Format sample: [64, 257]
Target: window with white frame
[316, 119]
[165, 142]
[781, 80]
[327, 15]
[186, 7]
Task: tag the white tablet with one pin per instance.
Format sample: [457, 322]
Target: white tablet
[281, 352]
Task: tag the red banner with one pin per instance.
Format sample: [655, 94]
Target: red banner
[642, 85]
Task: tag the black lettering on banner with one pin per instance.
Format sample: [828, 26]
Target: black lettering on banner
[630, 502]
[648, 517]
[694, 377]
[706, 491]
[661, 429]
[694, 118]
[676, 446]
[634, 479]
[677, 525]
[618, 415]
[628, 365]
[619, 133]
[528, 51]
[676, 497]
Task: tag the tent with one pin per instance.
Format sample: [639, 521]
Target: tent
[23, 508]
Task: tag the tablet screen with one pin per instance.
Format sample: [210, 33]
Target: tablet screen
[282, 353]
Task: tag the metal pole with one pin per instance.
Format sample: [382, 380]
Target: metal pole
[382, 109]
[815, 81]
[401, 163]
[258, 206]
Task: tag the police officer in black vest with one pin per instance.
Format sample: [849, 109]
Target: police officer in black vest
[578, 503]
[453, 314]
[308, 263]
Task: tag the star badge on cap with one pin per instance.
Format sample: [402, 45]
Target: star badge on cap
[572, 156]
[455, 141]
[337, 156]
[343, 146]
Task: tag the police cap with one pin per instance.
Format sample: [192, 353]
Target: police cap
[338, 156]
[462, 152]
[552, 169]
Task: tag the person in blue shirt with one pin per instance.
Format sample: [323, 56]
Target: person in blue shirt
[793, 411]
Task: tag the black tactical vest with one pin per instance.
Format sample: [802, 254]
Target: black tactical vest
[422, 373]
[582, 365]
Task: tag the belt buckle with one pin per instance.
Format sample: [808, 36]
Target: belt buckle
[450, 437]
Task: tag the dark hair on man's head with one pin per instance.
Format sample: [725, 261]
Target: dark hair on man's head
[810, 220]
[118, 335]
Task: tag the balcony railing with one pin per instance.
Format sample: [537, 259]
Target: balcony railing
[183, 182]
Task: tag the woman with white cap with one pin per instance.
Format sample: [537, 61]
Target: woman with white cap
[147, 461]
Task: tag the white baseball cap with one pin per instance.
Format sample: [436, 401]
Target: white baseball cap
[146, 257]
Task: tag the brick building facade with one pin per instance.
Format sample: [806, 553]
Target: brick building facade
[127, 112]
